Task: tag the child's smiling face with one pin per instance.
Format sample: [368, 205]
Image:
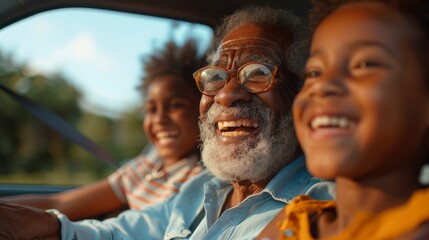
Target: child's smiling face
[364, 106]
[171, 117]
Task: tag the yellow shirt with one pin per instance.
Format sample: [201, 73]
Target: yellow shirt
[389, 224]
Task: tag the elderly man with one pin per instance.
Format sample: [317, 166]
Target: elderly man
[254, 163]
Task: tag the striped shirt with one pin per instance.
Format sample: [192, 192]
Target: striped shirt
[142, 182]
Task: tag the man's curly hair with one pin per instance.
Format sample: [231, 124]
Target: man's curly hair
[172, 59]
[297, 46]
[415, 11]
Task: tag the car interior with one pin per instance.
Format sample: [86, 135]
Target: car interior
[205, 12]
[16, 175]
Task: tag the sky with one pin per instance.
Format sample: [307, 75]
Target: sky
[99, 51]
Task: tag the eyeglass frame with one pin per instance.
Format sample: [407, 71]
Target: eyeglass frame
[274, 72]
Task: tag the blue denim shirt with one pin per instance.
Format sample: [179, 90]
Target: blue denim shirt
[173, 219]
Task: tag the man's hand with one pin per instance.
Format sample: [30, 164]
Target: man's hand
[21, 222]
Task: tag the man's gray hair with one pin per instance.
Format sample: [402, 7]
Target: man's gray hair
[296, 51]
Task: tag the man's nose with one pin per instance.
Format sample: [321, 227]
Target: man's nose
[231, 93]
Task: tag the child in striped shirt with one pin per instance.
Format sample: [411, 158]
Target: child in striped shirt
[171, 102]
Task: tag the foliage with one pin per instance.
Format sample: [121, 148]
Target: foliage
[30, 148]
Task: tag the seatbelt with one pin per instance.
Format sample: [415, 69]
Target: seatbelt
[61, 126]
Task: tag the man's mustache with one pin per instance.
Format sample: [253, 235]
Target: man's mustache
[257, 111]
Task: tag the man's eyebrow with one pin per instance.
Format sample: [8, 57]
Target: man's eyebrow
[218, 62]
[259, 58]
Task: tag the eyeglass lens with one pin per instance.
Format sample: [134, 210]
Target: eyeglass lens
[253, 77]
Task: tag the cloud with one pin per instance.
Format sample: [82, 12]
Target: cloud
[81, 50]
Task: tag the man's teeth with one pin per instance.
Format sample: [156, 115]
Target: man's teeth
[239, 123]
[225, 127]
[235, 133]
[330, 121]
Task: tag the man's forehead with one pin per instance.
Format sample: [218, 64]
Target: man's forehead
[246, 49]
[262, 40]
[258, 33]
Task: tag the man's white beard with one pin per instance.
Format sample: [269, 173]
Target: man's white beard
[253, 159]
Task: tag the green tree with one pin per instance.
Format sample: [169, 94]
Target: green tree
[29, 149]
[26, 144]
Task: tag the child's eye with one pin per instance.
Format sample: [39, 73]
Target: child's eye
[364, 64]
[149, 109]
[362, 68]
[177, 104]
[312, 74]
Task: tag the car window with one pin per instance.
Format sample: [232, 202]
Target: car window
[85, 65]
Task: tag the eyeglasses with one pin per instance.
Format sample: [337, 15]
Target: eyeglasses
[253, 77]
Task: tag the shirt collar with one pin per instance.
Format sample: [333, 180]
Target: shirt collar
[290, 181]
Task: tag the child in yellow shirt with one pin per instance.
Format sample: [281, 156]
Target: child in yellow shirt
[362, 118]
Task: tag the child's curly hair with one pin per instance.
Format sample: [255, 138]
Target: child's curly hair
[415, 11]
[181, 61]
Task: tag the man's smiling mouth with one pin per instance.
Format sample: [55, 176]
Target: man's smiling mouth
[237, 128]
